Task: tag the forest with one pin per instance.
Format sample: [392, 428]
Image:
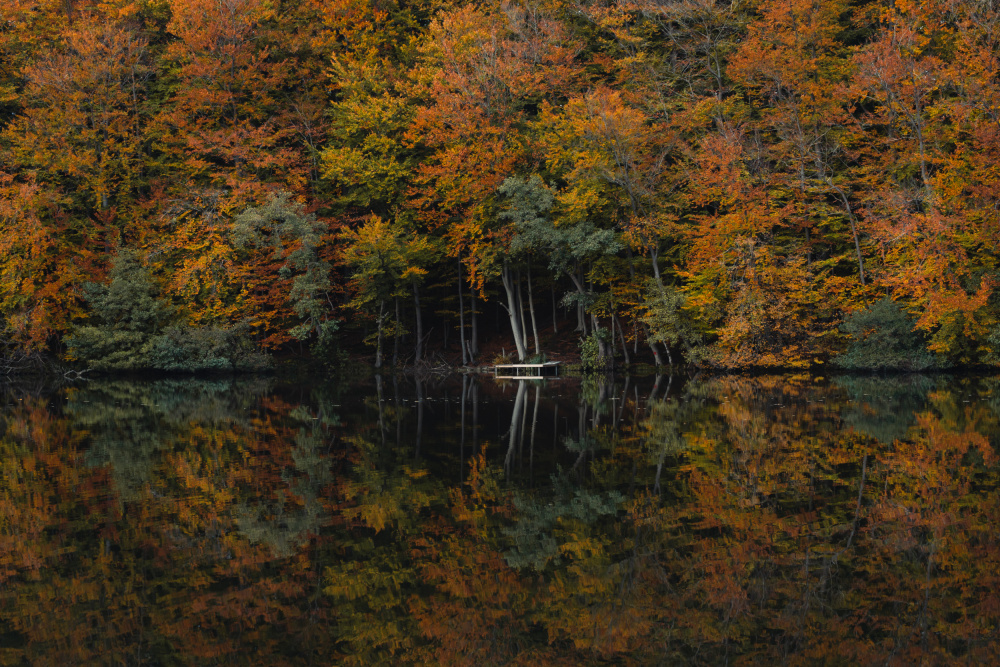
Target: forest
[213, 184]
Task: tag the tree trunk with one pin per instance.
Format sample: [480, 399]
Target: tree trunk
[395, 342]
[555, 326]
[605, 351]
[581, 318]
[512, 308]
[461, 318]
[420, 325]
[520, 312]
[474, 348]
[652, 346]
[531, 309]
[614, 319]
[381, 322]
[854, 230]
[654, 254]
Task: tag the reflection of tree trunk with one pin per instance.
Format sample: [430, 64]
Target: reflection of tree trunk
[524, 429]
[509, 286]
[656, 388]
[461, 441]
[534, 426]
[602, 397]
[420, 414]
[531, 309]
[555, 428]
[381, 409]
[475, 413]
[515, 424]
[861, 493]
[659, 470]
[461, 321]
[420, 325]
[399, 410]
[621, 408]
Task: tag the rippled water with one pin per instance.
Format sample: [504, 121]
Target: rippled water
[658, 520]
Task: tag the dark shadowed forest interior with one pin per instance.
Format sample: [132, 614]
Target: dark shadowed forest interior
[217, 184]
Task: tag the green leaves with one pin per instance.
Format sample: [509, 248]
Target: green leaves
[134, 329]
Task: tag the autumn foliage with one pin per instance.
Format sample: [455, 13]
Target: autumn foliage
[761, 170]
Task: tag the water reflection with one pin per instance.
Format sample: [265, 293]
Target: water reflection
[456, 520]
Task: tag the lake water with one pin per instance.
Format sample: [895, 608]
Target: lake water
[450, 520]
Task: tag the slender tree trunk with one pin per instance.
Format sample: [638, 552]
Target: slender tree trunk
[581, 319]
[395, 341]
[534, 321]
[381, 323]
[461, 318]
[654, 255]
[520, 312]
[474, 348]
[622, 334]
[417, 355]
[605, 351]
[512, 309]
[652, 346]
[555, 326]
[854, 229]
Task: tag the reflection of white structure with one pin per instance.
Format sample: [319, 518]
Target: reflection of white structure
[527, 371]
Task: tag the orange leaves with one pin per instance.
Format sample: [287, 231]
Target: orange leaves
[39, 269]
[221, 124]
[81, 125]
[481, 69]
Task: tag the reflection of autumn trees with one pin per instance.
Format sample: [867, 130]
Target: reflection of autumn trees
[198, 556]
[744, 520]
[762, 526]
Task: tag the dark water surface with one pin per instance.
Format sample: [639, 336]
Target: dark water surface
[714, 520]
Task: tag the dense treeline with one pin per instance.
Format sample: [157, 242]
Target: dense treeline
[189, 183]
